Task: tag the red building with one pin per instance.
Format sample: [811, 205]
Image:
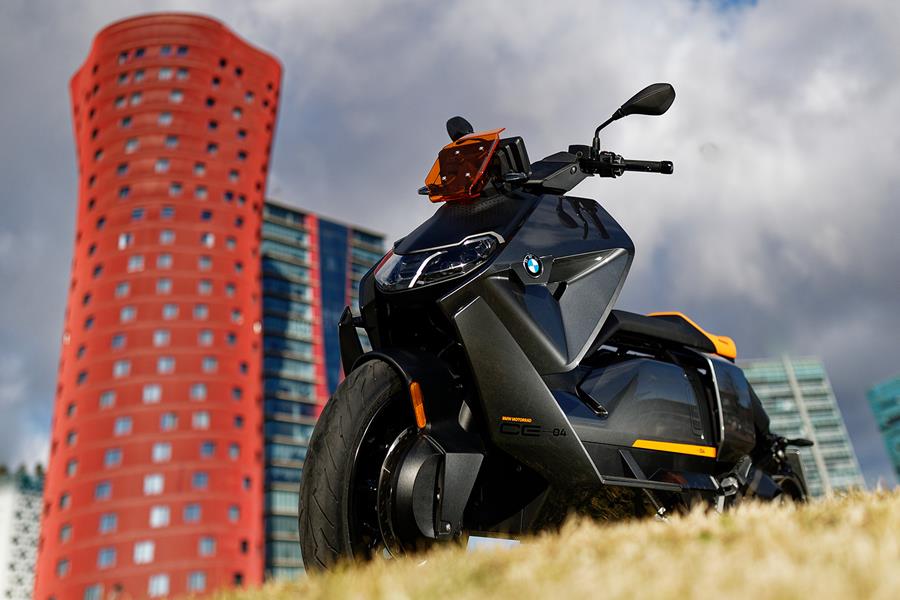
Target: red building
[155, 480]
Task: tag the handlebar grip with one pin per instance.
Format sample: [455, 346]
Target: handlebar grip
[649, 166]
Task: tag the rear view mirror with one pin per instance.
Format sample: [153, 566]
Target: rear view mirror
[458, 127]
[653, 100]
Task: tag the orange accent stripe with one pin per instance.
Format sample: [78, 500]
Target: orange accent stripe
[418, 404]
[725, 346]
[704, 451]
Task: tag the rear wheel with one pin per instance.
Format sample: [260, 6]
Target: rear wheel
[339, 490]
[792, 489]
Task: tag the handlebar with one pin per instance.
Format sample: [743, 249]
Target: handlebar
[560, 172]
[610, 164]
[649, 166]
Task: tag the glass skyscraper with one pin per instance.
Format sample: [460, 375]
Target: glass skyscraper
[797, 395]
[884, 398]
[311, 267]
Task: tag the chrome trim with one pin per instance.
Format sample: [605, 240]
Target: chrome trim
[422, 268]
[720, 415]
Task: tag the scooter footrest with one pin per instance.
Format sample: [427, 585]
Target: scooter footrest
[647, 484]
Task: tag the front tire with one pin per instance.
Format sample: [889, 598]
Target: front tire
[338, 491]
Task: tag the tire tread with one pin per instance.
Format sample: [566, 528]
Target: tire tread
[324, 486]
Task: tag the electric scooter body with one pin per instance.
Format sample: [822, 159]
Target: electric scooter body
[527, 394]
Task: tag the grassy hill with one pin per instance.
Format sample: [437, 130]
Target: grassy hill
[842, 548]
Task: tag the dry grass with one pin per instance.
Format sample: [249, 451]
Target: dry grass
[842, 548]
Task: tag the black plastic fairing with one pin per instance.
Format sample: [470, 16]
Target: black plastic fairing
[634, 328]
[555, 314]
[350, 344]
[369, 309]
[520, 413]
[737, 418]
[558, 173]
[643, 399]
[458, 453]
[512, 156]
[455, 221]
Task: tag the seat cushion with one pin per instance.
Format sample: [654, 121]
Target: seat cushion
[627, 325]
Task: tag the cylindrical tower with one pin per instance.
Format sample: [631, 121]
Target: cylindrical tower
[154, 484]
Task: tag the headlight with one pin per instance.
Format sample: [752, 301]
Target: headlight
[406, 271]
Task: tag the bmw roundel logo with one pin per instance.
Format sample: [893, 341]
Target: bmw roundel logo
[533, 265]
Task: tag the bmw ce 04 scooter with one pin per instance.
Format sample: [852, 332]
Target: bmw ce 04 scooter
[503, 392]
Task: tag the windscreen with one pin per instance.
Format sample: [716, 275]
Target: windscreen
[458, 172]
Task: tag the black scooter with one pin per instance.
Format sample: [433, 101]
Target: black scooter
[504, 392]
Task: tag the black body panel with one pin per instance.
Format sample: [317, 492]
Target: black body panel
[457, 453]
[643, 399]
[455, 221]
[555, 316]
[736, 410]
[520, 413]
[625, 326]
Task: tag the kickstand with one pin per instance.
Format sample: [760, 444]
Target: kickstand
[638, 473]
[660, 509]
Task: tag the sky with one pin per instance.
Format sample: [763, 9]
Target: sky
[778, 228]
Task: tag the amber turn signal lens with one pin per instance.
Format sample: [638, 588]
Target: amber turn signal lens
[415, 393]
[458, 172]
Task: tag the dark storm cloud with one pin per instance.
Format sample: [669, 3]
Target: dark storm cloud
[779, 226]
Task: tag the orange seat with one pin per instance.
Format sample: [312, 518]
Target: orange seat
[724, 345]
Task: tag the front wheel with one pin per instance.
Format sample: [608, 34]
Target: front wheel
[338, 516]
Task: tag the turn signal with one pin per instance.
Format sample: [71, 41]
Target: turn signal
[415, 393]
[458, 172]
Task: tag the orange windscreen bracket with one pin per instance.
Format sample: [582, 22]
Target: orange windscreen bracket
[458, 172]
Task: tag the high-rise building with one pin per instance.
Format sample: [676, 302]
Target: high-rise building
[797, 395]
[311, 268]
[884, 398]
[155, 483]
[20, 516]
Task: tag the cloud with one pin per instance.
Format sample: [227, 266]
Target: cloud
[23, 439]
[778, 227]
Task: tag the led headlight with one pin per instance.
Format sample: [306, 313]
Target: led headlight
[406, 271]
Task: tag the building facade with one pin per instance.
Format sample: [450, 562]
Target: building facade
[797, 395]
[884, 398]
[311, 268]
[155, 486]
[20, 516]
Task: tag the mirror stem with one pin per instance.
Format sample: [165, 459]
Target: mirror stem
[596, 145]
[602, 125]
[615, 117]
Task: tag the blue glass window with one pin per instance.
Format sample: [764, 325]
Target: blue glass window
[284, 232]
[298, 309]
[287, 288]
[293, 328]
[296, 272]
[285, 452]
[273, 247]
[297, 431]
[299, 389]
